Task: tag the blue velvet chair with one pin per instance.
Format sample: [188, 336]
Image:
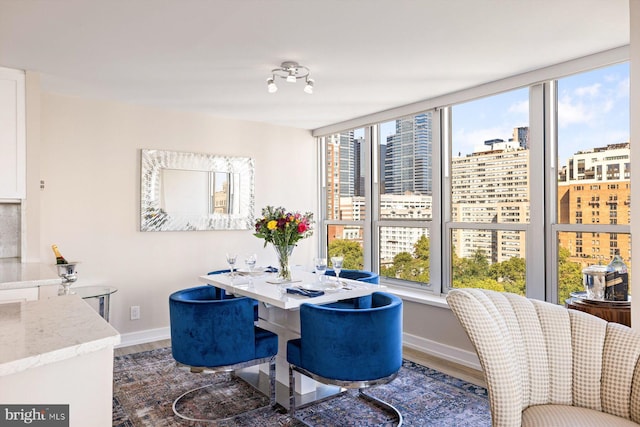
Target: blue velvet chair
[221, 293]
[361, 276]
[213, 333]
[349, 348]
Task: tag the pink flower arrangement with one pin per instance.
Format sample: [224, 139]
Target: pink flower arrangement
[283, 228]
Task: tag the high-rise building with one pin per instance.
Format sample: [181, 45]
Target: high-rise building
[594, 188]
[407, 161]
[333, 176]
[345, 181]
[521, 136]
[347, 156]
[490, 185]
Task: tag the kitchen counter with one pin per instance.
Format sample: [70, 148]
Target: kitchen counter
[18, 275]
[36, 333]
[58, 351]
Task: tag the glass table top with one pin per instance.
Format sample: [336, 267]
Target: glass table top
[93, 291]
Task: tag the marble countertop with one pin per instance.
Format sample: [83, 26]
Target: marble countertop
[15, 274]
[36, 333]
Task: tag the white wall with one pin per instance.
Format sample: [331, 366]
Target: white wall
[90, 162]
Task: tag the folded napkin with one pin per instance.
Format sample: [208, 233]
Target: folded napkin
[305, 292]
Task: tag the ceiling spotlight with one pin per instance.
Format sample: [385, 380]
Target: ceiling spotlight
[309, 86]
[271, 85]
[290, 71]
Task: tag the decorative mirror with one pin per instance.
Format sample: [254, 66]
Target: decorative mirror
[190, 191]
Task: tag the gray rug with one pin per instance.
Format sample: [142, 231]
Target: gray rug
[145, 385]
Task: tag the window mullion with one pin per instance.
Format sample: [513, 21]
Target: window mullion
[535, 243]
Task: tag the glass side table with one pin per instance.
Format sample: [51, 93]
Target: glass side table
[102, 293]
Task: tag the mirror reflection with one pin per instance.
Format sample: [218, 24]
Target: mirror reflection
[190, 191]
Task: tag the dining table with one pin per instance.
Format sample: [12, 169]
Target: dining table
[279, 312]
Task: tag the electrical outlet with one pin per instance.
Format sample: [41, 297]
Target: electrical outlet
[135, 312]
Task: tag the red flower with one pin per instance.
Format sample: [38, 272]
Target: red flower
[302, 227]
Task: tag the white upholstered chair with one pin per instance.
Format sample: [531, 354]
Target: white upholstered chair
[546, 365]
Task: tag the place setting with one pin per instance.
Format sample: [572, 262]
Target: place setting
[324, 283]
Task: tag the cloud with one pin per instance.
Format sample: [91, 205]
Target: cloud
[465, 142]
[521, 107]
[571, 112]
[591, 91]
[623, 88]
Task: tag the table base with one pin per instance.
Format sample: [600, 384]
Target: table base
[256, 377]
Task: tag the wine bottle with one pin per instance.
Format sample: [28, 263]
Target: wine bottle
[618, 284]
[59, 258]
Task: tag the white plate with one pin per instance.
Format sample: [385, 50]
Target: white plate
[332, 289]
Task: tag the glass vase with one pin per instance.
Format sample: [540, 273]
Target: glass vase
[284, 270]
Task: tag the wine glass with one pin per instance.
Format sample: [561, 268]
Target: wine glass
[231, 260]
[336, 262]
[320, 266]
[250, 261]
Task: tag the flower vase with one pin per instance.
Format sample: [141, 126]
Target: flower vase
[284, 271]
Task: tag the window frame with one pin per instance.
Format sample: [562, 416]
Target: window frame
[542, 230]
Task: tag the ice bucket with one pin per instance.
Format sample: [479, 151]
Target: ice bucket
[594, 279]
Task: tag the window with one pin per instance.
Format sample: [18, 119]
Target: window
[514, 189]
[405, 202]
[490, 179]
[593, 130]
[346, 204]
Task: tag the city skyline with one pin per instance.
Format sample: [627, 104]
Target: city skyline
[593, 111]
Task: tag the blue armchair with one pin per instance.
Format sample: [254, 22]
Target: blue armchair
[211, 332]
[361, 276]
[221, 293]
[361, 348]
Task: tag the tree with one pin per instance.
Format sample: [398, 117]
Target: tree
[350, 250]
[569, 275]
[413, 267]
[484, 283]
[475, 267]
[422, 248]
[511, 273]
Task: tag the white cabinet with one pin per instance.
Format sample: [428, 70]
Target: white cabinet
[23, 294]
[12, 134]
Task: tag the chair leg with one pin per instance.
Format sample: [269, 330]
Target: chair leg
[272, 398]
[389, 408]
[292, 393]
[272, 382]
[292, 398]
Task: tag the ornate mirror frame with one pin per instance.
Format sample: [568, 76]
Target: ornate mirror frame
[182, 191]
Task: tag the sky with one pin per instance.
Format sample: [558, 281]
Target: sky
[593, 111]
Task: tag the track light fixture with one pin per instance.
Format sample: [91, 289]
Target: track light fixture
[309, 86]
[271, 86]
[291, 72]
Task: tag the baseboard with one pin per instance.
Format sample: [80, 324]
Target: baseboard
[433, 348]
[442, 351]
[143, 337]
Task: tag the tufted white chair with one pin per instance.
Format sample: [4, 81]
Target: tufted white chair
[546, 365]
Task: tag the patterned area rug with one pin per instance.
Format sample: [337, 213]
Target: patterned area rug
[145, 385]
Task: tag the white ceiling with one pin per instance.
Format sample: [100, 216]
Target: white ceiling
[366, 56]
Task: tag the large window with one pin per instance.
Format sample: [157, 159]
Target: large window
[345, 198]
[404, 208]
[516, 190]
[490, 192]
[594, 171]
